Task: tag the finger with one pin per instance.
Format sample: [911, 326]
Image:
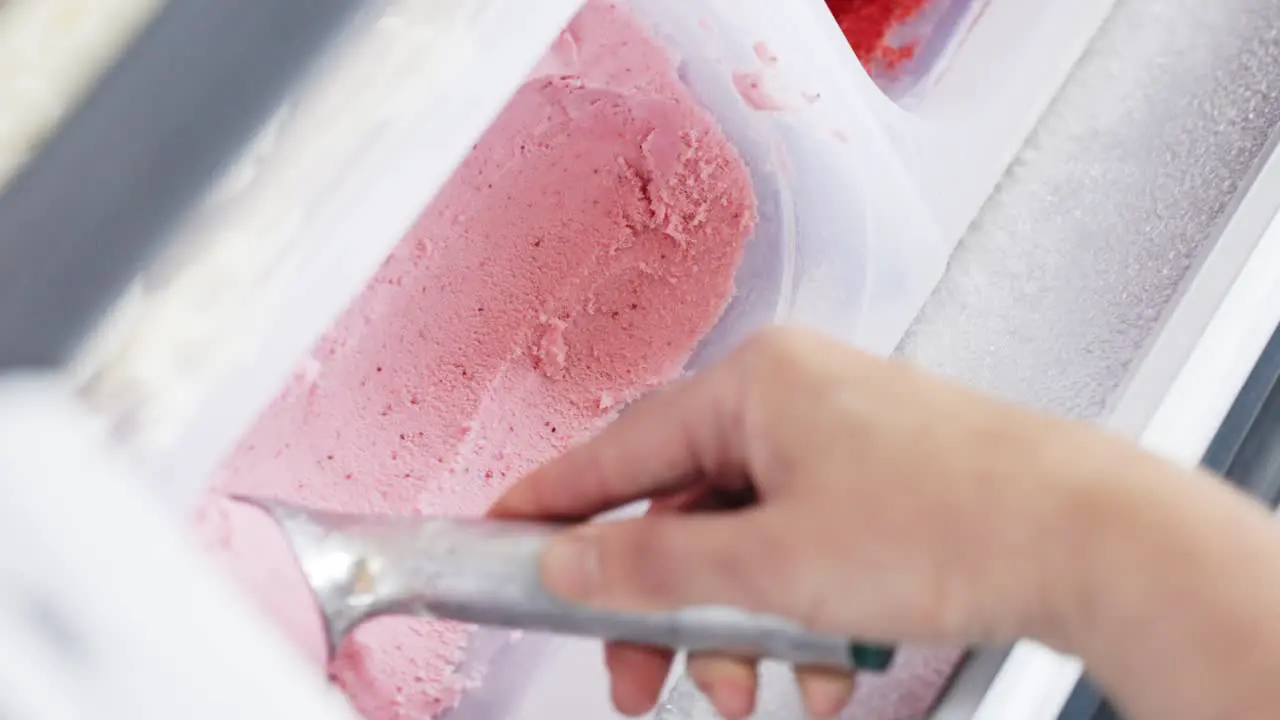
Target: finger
[703, 495]
[729, 683]
[825, 692]
[665, 440]
[678, 501]
[637, 676]
[664, 561]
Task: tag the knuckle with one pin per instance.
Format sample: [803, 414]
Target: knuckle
[637, 564]
[802, 586]
[813, 608]
[767, 569]
[945, 609]
[762, 370]
[774, 362]
[774, 344]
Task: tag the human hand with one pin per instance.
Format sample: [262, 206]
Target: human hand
[804, 479]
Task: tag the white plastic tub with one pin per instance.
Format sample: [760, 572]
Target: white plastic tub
[862, 200]
[844, 242]
[853, 234]
[931, 35]
[964, 109]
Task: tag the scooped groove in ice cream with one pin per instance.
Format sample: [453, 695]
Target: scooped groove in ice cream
[573, 262]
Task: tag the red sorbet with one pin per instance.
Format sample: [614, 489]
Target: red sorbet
[867, 24]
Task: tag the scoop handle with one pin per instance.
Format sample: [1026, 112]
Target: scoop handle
[721, 630]
[488, 573]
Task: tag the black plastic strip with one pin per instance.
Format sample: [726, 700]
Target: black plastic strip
[1253, 460]
[95, 204]
[1246, 450]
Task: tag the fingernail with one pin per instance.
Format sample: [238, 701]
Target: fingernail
[571, 566]
[826, 705]
[825, 695]
[734, 703]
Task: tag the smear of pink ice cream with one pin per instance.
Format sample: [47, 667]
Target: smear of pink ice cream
[764, 53]
[573, 262]
[750, 85]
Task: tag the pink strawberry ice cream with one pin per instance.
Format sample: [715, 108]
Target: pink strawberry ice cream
[572, 263]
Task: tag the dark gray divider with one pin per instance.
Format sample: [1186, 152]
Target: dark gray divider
[103, 194]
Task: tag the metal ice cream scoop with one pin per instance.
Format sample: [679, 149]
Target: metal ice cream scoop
[486, 572]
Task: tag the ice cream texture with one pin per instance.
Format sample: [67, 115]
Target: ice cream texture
[573, 262]
[869, 24]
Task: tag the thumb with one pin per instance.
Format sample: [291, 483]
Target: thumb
[665, 562]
